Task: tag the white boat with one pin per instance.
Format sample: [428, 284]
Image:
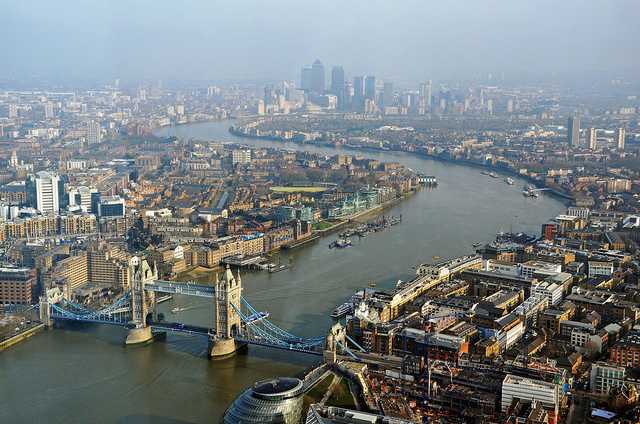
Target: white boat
[178, 309]
[342, 310]
[509, 180]
[342, 243]
[277, 267]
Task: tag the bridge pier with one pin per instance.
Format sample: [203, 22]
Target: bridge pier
[139, 335]
[220, 348]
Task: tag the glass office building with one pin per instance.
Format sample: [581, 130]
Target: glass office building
[277, 400]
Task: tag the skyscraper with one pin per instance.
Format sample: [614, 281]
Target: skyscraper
[620, 135]
[12, 111]
[573, 131]
[337, 85]
[370, 87]
[94, 133]
[47, 200]
[305, 78]
[317, 77]
[387, 95]
[425, 94]
[48, 110]
[592, 138]
[358, 93]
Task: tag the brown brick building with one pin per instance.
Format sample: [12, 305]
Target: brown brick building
[17, 286]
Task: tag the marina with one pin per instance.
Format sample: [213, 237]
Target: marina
[362, 230]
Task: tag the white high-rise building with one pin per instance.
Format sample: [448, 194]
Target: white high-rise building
[94, 133]
[83, 197]
[47, 200]
[48, 110]
[13, 111]
[620, 134]
[14, 159]
[573, 131]
[592, 139]
[241, 156]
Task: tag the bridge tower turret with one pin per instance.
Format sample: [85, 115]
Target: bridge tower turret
[141, 301]
[228, 323]
[334, 342]
[45, 310]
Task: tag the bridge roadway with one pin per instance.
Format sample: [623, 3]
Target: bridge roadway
[177, 327]
[187, 289]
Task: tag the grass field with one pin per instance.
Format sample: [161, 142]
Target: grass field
[323, 225]
[316, 393]
[341, 396]
[282, 189]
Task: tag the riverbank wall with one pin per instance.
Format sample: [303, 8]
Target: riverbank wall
[12, 341]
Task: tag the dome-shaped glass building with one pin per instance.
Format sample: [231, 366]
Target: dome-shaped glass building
[277, 400]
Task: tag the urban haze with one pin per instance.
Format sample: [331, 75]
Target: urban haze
[320, 212]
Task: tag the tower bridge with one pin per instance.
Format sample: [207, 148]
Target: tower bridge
[236, 323]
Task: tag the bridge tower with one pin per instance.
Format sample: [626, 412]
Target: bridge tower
[45, 311]
[334, 342]
[228, 323]
[142, 302]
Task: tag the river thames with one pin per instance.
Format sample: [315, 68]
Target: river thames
[84, 374]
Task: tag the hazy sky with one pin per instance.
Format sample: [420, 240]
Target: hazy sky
[271, 39]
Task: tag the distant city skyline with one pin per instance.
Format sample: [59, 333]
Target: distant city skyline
[259, 41]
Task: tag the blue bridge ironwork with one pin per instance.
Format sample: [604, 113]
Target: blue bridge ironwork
[237, 321]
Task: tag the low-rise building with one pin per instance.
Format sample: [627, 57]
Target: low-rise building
[548, 394]
[600, 268]
[626, 352]
[17, 286]
[605, 376]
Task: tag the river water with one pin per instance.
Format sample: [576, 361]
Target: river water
[84, 374]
